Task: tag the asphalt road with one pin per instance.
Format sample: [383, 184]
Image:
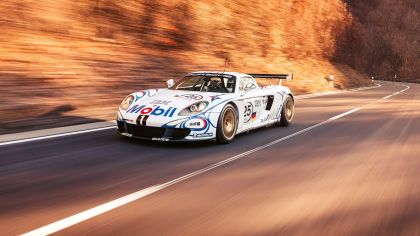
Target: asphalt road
[356, 174]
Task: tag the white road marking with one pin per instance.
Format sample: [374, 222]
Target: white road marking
[110, 127]
[344, 114]
[386, 97]
[406, 88]
[56, 135]
[335, 92]
[95, 211]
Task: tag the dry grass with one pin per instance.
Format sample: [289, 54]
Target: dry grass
[65, 58]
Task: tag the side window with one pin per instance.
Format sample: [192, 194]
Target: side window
[242, 83]
[247, 83]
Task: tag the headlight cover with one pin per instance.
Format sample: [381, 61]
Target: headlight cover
[127, 102]
[194, 108]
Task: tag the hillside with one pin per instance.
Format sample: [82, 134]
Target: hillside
[383, 38]
[66, 62]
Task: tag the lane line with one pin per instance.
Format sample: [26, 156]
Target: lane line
[344, 114]
[386, 97]
[299, 97]
[98, 210]
[396, 93]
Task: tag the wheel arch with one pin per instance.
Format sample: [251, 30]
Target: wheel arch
[236, 108]
[291, 95]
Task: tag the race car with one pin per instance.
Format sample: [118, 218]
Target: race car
[206, 105]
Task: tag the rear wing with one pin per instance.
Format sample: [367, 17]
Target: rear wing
[281, 77]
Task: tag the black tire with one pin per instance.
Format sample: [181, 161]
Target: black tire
[287, 112]
[227, 125]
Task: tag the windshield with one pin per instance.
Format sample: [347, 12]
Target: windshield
[214, 83]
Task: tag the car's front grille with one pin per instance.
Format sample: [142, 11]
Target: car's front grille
[152, 132]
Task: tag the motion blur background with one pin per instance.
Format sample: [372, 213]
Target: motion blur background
[65, 62]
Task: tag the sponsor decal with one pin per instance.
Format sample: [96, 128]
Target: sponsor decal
[254, 115]
[160, 102]
[196, 124]
[260, 102]
[249, 111]
[135, 109]
[154, 111]
[138, 97]
[160, 139]
[257, 103]
[203, 135]
[276, 114]
[127, 134]
[190, 96]
[266, 118]
[216, 97]
[149, 93]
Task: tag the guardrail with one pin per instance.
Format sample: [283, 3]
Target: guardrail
[393, 79]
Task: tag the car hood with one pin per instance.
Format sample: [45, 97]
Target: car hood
[179, 99]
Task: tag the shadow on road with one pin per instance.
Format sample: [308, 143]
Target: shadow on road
[51, 119]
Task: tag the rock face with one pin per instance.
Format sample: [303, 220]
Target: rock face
[88, 55]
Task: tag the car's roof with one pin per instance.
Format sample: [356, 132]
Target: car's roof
[237, 74]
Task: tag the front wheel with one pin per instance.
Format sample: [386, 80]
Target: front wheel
[227, 125]
[287, 112]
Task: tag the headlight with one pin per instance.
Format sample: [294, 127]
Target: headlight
[127, 102]
[194, 109]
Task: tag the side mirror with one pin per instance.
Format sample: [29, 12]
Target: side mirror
[170, 83]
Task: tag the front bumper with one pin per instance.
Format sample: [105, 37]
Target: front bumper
[152, 133]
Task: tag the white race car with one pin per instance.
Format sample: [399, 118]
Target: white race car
[206, 105]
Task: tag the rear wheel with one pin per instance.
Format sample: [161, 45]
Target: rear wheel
[287, 112]
[227, 125]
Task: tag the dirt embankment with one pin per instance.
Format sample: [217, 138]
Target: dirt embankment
[66, 62]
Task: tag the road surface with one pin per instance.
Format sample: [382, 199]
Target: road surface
[348, 165]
